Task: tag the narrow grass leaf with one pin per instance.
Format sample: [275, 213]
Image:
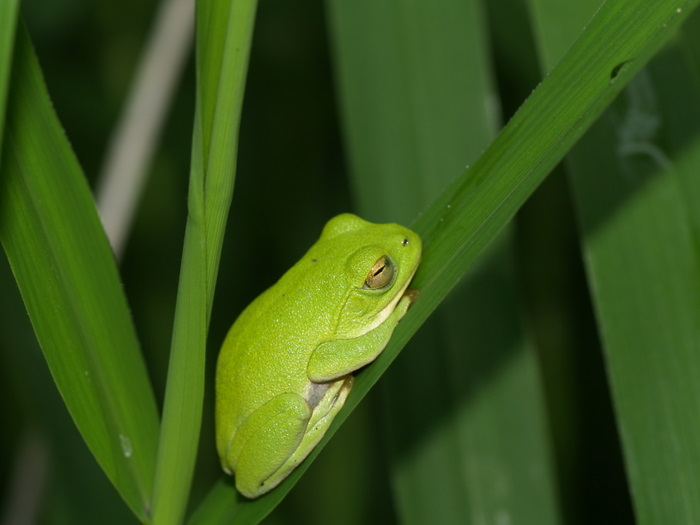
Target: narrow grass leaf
[8, 23]
[217, 506]
[458, 225]
[67, 275]
[635, 183]
[224, 32]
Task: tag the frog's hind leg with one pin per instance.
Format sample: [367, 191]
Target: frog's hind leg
[280, 434]
[325, 407]
[265, 442]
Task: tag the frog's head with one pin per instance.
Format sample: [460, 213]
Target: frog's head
[380, 261]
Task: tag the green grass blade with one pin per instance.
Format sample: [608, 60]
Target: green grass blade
[68, 278]
[458, 225]
[616, 44]
[224, 31]
[415, 114]
[636, 187]
[8, 23]
[218, 505]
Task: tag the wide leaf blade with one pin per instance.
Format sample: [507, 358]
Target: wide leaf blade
[468, 380]
[65, 270]
[636, 188]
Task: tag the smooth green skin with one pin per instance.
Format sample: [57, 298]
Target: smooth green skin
[285, 367]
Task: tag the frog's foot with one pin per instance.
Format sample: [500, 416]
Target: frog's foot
[280, 434]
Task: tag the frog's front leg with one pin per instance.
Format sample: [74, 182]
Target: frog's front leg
[340, 357]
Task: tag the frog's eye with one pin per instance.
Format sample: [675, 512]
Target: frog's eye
[381, 274]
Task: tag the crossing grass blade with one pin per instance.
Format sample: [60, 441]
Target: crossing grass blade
[68, 278]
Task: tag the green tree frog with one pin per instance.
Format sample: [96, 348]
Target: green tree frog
[285, 367]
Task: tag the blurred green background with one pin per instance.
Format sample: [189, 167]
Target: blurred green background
[292, 176]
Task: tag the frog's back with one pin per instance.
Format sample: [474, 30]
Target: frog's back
[267, 350]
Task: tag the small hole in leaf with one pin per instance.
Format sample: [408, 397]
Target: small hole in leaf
[618, 69]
